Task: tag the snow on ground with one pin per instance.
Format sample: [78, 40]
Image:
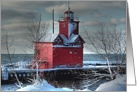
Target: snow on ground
[8, 87]
[11, 86]
[119, 84]
[43, 86]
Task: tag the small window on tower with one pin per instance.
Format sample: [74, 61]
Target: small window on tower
[63, 25]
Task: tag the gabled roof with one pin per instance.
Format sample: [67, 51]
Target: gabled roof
[72, 38]
[53, 37]
[63, 37]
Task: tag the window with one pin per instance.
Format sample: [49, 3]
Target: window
[71, 16]
[75, 52]
[66, 15]
[70, 52]
[63, 25]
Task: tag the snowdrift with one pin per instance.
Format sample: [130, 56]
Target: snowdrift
[119, 84]
[43, 86]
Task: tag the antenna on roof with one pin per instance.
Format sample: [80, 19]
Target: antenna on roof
[68, 6]
[53, 20]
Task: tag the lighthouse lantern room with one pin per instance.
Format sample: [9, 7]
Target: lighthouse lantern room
[61, 50]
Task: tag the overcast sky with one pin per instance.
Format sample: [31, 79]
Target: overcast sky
[16, 15]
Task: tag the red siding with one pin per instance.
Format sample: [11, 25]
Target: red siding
[68, 56]
[45, 54]
[63, 28]
[58, 56]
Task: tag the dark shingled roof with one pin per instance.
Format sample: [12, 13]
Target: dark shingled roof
[69, 12]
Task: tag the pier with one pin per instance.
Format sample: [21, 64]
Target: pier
[56, 73]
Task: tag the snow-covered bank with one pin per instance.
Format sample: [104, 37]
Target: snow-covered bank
[119, 84]
[43, 86]
[11, 87]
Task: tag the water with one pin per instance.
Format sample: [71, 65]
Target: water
[15, 58]
[89, 58]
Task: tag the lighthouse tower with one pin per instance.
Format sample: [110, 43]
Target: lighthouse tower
[61, 50]
[68, 26]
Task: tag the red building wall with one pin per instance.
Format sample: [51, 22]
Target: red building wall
[68, 56]
[45, 54]
[58, 56]
[63, 28]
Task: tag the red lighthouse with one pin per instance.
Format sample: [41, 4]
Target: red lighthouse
[61, 50]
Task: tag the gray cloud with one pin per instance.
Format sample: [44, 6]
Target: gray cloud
[16, 15]
[28, 4]
[112, 21]
[90, 23]
[83, 7]
[117, 21]
[123, 20]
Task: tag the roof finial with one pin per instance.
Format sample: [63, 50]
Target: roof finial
[68, 6]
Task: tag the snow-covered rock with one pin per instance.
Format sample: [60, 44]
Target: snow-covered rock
[119, 84]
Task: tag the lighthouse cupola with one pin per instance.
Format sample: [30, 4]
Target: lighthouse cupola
[68, 15]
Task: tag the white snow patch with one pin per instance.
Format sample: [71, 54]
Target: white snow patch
[73, 38]
[43, 86]
[67, 46]
[119, 84]
[84, 90]
[64, 38]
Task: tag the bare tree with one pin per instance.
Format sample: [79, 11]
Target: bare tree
[37, 30]
[106, 41]
[8, 46]
[119, 46]
[101, 43]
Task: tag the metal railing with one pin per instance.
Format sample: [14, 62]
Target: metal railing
[62, 18]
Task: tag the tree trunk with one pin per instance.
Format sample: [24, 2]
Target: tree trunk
[109, 68]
